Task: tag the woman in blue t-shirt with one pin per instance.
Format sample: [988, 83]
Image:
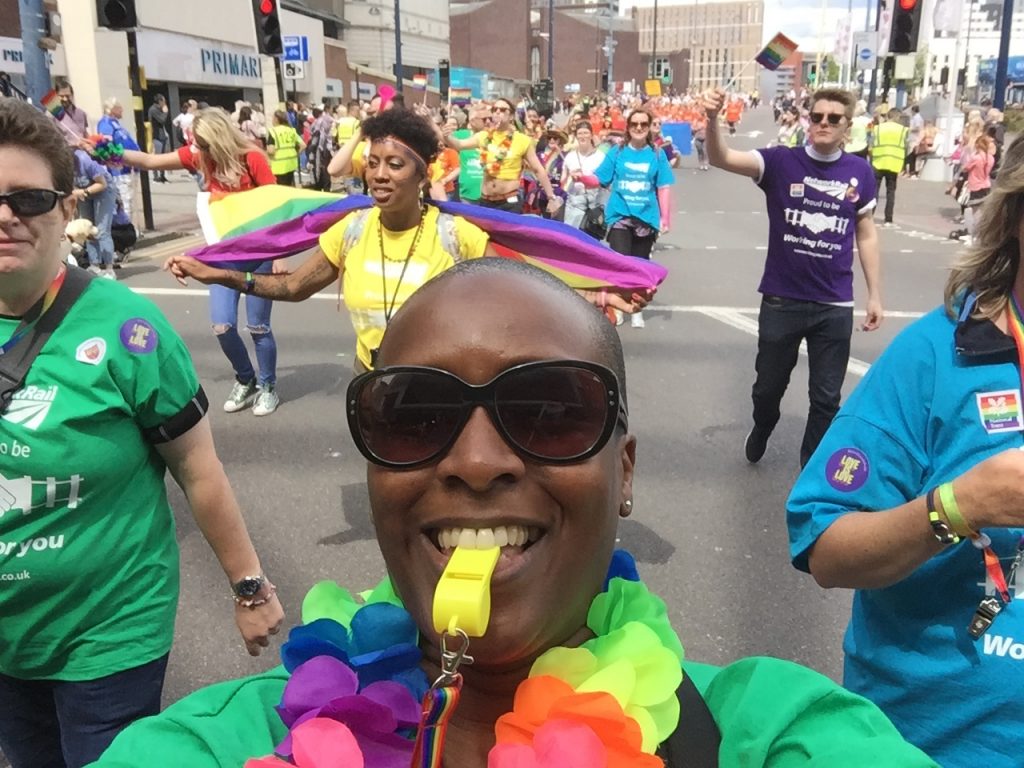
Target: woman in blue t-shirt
[97, 198]
[639, 178]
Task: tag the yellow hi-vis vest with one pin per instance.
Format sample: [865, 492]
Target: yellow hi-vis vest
[890, 147]
[286, 150]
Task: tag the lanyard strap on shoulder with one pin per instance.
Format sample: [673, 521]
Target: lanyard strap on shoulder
[695, 742]
[14, 366]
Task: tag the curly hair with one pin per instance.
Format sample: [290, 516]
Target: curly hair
[27, 128]
[989, 267]
[415, 132]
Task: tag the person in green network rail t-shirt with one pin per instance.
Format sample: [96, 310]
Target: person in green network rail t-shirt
[471, 173]
[88, 552]
[576, 657]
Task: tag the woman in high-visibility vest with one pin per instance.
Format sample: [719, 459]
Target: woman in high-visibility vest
[284, 146]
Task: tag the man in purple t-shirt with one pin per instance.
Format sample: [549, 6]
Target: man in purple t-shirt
[74, 119]
[820, 201]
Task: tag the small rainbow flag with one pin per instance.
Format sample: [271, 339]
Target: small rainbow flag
[779, 49]
[460, 96]
[419, 82]
[51, 103]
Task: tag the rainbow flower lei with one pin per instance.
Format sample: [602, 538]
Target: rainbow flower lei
[353, 698]
[492, 164]
[107, 151]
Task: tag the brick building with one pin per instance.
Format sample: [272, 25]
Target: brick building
[509, 38]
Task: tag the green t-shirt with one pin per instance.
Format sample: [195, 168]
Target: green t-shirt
[771, 713]
[471, 172]
[88, 557]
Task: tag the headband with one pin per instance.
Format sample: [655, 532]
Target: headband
[420, 160]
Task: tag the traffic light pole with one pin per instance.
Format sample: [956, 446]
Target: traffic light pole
[399, 76]
[954, 76]
[138, 106]
[37, 66]
[874, 72]
[999, 97]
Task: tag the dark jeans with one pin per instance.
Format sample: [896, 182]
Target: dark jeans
[57, 724]
[504, 204]
[890, 190]
[285, 179]
[783, 324]
[626, 241]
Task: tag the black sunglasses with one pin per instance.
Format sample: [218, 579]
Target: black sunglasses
[640, 125]
[32, 202]
[554, 412]
[832, 117]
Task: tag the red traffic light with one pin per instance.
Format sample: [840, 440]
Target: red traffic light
[908, 5]
[267, 7]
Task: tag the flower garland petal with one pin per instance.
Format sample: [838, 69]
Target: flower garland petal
[573, 665]
[625, 601]
[328, 600]
[381, 625]
[657, 670]
[322, 637]
[313, 683]
[558, 744]
[321, 743]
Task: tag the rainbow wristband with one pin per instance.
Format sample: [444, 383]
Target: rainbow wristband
[952, 512]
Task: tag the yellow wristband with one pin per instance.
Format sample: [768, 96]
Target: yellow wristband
[952, 512]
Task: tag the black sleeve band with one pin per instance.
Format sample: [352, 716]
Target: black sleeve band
[181, 422]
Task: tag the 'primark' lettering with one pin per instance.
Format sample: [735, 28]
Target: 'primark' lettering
[996, 645]
[238, 64]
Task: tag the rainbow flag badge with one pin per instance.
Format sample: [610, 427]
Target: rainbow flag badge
[51, 103]
[1000, 411]
[779, 49]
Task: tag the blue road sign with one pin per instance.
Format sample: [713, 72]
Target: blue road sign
[296, 47]
[866, 53]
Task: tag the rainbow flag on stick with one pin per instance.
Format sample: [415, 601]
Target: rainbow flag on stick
[419, 82]
[460, 96]
[779, 49]
[273, 222]
[51, 103]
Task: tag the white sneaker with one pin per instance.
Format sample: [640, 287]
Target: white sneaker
[241, 397]
[619, 317]
[109, 274]
[636, 320]
[266, 401]
[95, 269]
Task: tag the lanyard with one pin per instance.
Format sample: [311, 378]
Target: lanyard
[1015, 322]
[388, 311]
[35, 313]
[440, 702]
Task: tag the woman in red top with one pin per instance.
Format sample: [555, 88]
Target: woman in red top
[230, 162]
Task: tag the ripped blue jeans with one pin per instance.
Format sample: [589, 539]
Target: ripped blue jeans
[224, 317]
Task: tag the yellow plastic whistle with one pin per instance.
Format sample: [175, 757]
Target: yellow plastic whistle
[462, 598]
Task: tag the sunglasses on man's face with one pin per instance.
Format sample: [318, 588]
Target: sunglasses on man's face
[640, 126]
[500, 109]
[32, 202]
[553, 412]
[832, 117]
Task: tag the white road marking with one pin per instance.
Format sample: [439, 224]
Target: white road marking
[906, 250]
[710, 247]
[739, 321]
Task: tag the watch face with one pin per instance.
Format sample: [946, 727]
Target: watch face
[248, 587]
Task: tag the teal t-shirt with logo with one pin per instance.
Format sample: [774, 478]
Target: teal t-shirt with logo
[88, 557]
[471, 172]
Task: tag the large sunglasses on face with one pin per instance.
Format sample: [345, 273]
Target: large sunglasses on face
[32, 202]
[554, 412]
[641, 126]
[832, 117]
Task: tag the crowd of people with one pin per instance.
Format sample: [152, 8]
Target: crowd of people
[900, 491]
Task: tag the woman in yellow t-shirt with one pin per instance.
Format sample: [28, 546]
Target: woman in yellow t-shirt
[385, 252]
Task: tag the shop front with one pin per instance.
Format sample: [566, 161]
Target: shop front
[214, 72]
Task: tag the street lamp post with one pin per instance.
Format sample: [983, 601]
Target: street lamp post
[654, 43]
[551, 40]
[399, 79]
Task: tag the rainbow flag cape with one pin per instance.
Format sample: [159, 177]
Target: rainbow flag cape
[274, 222]
[779, 49]
[51, 103]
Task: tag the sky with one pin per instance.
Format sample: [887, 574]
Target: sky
[800, 20]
